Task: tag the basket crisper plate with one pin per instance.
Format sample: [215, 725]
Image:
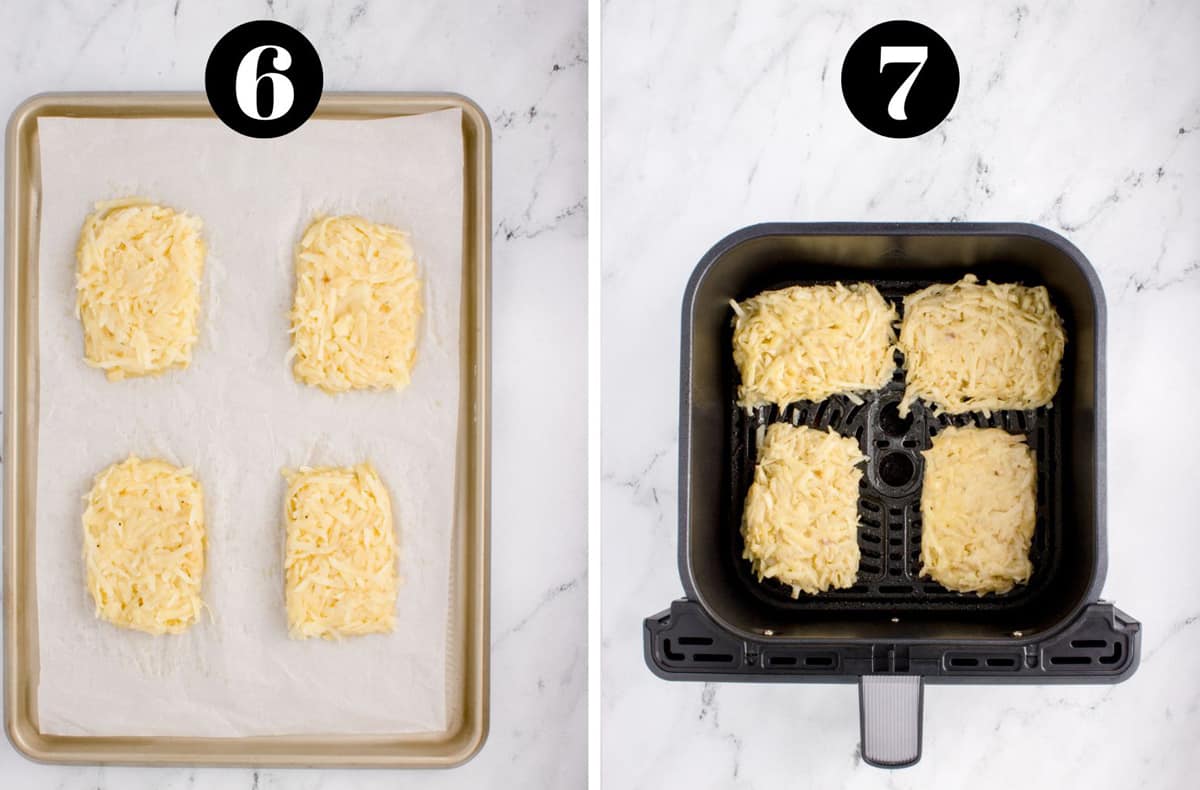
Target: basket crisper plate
[889, 509]
[469, 608]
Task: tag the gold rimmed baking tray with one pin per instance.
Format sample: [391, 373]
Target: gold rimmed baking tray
[465, 733]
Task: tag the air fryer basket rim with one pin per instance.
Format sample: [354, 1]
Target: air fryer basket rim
[896, 229]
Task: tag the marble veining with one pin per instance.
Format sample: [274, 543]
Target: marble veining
[525, 63]
[1080, 116]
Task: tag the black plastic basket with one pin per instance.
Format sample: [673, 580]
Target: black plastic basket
[892, 629]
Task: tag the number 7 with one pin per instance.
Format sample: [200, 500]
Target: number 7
[917, 55]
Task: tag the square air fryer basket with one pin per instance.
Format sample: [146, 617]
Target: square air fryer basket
[893, 629]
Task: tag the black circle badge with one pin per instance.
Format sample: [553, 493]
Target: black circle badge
[900, 79]
[263, 79]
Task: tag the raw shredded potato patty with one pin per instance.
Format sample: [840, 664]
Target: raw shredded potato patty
[800, 522]
[972, 347]
[340, 563]
[138, 287]
[810, 342]
[143, 545]
[357, 306]
[978, 510]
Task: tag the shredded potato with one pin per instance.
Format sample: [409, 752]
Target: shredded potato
[143, 546]
[971, 347]
[810, 342]
[138, 287]
[800, 521]
[357, 306]
[978, 510]
[340, 559]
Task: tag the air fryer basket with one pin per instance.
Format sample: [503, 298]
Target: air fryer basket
[892, 629]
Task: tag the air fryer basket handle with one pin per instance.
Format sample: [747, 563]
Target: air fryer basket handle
[890, 709]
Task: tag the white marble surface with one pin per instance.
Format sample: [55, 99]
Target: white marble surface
[1080, 116]
[525, 63]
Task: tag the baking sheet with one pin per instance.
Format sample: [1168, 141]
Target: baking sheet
[236, 416]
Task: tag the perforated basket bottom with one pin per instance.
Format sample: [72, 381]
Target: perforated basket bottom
[889, 535]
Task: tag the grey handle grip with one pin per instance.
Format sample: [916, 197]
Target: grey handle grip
[890, 709]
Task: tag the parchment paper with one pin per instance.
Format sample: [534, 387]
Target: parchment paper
[237, 416]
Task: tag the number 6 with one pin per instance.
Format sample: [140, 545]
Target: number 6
[245, 83]
[916, 55]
